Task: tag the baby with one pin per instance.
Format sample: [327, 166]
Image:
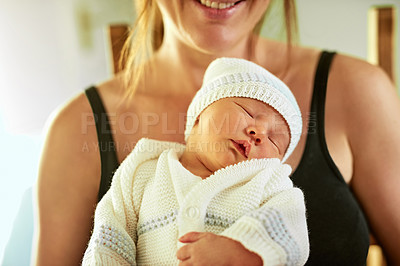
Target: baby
[228, 180]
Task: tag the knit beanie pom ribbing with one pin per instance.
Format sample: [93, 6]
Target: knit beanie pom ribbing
[233, 77]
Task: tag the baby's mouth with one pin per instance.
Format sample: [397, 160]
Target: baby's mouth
[243, 146]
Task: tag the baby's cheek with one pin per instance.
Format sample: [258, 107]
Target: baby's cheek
[238, 124]
[227, 157]
[266, 151]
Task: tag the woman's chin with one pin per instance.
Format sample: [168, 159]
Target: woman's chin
[214, 38]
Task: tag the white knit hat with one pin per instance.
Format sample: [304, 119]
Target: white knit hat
[233, 77]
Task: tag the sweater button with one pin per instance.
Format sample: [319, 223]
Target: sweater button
[193, 212]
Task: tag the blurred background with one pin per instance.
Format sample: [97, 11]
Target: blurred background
[52, 50]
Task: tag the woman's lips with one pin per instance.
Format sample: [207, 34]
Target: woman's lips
[216, 10]
[216, 4]
[242, 146]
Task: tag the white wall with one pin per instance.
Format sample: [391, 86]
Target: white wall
[50, 50]
[342, 25]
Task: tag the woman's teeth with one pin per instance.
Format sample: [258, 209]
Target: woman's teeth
[216, 5]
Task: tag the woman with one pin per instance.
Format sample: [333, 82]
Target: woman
[351, 119]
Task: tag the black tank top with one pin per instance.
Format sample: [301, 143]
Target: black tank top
[337, 227]
[108, 154]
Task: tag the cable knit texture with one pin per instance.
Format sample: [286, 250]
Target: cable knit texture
[154, 200]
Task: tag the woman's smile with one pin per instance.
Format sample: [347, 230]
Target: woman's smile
[216, 5]
[219, 10]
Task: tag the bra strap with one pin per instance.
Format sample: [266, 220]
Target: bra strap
[108, 155]
[320, 85]
[318, 106]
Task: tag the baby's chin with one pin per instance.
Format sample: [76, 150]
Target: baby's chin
[227, 159]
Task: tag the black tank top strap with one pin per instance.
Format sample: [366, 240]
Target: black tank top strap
[318, 106]
[106, 145]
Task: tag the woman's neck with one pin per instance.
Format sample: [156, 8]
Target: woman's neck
[186, 52]
[181, 67]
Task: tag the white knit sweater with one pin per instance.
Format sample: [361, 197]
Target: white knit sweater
[153, 200]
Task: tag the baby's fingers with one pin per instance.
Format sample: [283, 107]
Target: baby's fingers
[183, 253]
[190, 237]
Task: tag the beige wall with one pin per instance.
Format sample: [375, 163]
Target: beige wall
[50, 51]
[342, 25]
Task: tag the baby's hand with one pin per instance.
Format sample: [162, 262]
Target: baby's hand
[212, 249]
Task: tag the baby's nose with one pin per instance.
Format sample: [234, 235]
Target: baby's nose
[257, 134]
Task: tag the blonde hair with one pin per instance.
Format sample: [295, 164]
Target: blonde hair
[147, 33]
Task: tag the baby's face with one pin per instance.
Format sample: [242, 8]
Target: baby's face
[232, 130]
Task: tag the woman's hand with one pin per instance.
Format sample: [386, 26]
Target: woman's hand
[211, 249]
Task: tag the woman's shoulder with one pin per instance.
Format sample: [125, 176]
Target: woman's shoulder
[301, 57]
[78, 108]
[68, 116]
[347, 73]
[352, 68]
[70, 133]
[71, 127]
[351, 79]
[356, 79]
[71, 151]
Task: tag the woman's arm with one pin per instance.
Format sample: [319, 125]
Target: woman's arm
[373, 129]
[69, 177]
